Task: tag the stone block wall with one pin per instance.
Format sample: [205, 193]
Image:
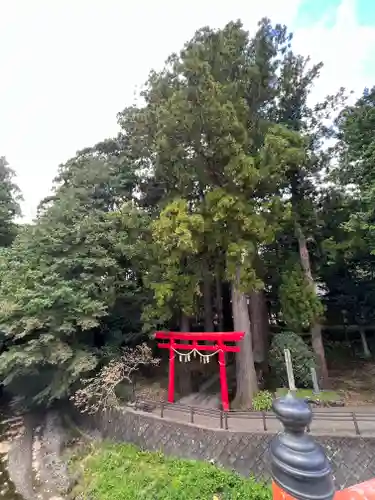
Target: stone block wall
[352, 458]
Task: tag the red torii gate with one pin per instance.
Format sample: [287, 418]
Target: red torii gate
[191, 344]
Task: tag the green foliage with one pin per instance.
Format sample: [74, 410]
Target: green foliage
[302, 359]
[262, 401]
[357, 144]
[173, 279]
[205, 130]
[63, 281]
[356, 125]
[300, 305]
[218, 172]
[152, 475]
[348, 236]
[10, 198]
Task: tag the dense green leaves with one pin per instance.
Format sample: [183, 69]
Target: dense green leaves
[299, 303]
[215, 186]
[10, 198]
[161, 477]
[303, 359]
[65, 276]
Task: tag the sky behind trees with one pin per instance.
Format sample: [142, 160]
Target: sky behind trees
[69, 66]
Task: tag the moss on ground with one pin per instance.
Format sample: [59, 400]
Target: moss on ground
[123, 472]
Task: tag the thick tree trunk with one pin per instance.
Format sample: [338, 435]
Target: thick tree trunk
[366, 350]
[245, 371]
[318, 347]
[228, 325]
[207, 299]
[184, 323]
[316, 328]
[219, 301]
[259, 325]
[183, 370]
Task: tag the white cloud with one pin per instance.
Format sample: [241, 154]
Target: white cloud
[346, 48]
[68, 66]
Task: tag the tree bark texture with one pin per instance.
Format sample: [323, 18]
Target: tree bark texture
[259, 325]
[245, 370]
[207, 299]
[228, 325]
[366, 349]
[316, 328]
[219, 301]
[183, 370]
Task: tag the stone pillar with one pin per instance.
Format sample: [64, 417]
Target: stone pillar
[299, 466]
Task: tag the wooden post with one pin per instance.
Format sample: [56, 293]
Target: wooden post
[223, 378]
[300, 468]
[171, 373]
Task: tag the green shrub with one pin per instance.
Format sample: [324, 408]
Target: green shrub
[122, 471]
[299, 302]
[263, 401]
[303, 359]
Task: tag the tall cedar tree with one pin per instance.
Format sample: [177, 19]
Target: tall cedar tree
[220, 161]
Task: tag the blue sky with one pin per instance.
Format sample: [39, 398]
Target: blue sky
[68, 66]
[366, 12]
[313, 11]
[354, 23]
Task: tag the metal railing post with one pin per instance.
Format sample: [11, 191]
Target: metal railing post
[299, 465]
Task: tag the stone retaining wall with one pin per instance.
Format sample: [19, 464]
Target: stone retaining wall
[352, 458]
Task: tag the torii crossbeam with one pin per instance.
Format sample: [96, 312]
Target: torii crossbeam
[193, 345]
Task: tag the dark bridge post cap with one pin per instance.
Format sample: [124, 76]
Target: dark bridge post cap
[298, 464]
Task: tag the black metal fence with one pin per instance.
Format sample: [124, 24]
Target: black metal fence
[225, 419]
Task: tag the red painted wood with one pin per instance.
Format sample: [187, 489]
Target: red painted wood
[218, 337]
[223, 379]
[279, 494]
[172, 356]
[214, 336]
[189, 347]
[362, 491]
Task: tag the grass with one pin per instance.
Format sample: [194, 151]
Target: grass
[123, 472]
[325, 396]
